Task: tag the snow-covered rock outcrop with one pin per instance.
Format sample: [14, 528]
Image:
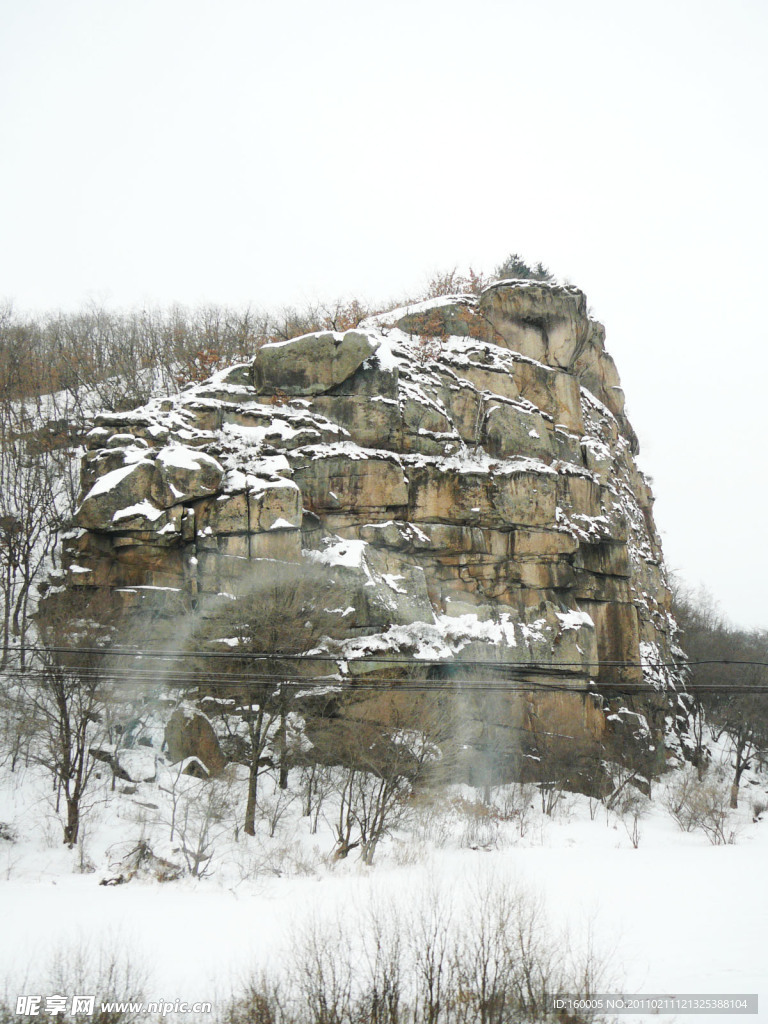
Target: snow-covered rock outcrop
[463, 466]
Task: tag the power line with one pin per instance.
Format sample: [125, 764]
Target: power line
[383, 659]
[161, 668]
[400, 684]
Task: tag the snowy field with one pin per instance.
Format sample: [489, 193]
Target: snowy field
[667, 911]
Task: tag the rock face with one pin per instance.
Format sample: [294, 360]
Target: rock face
[463, 472]
[188, 733]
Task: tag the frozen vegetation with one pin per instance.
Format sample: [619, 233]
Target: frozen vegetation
[165, 893]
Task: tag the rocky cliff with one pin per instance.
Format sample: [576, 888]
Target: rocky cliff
[461, 474]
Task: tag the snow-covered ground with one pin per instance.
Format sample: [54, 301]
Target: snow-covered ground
[672, 914]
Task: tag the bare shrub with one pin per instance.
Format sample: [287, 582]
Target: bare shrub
[202, 811]
[383, 996]
[430, 819]
[316, 785]
[700, 804]
[206, 816]
[508, 965]
[630, 818]
[272, 807]
[628, 803]
[516, 804]
[141, 862]
[261, 1001]
[680, 798]
[453, 282]
[321, 972]
[480, 824]
[483, 968]
[492, 960]
[551, 793]
[109, 972]
[430, 944]
[260, 855]
[430, 338]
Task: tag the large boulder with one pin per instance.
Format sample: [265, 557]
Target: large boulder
[311, 364]
[185, 474]
[119, 495]
[189, 733]
[544, 321]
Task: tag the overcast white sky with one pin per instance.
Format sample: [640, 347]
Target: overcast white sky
[252, 152]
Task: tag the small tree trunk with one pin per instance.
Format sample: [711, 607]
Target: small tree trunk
[257, 742]
[742, 761]
[486, 761]
[6, 627]
[343, 848]
[307, 806]
[740, 766]
[249, 825]
[73, 822]
[283, 780]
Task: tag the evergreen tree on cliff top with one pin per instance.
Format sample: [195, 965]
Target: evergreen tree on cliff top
[514, 266]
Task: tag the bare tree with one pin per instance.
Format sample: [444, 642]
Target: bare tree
[66, 703]
[266, 629]
[317, 785]
[729, 675]
[382, 761]
[201, 813]
[30, 520]
[61, 700]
